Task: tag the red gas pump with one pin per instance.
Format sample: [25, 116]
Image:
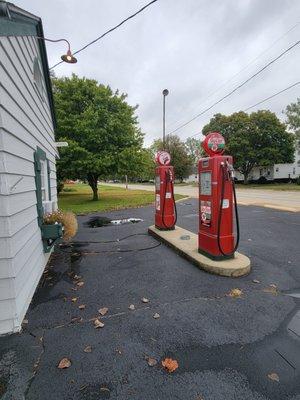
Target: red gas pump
[216, 194]
[165, 206]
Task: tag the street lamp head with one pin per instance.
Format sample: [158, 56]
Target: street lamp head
[165, 92]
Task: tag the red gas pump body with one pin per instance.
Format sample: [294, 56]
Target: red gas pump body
[215, 238]
[165, 208]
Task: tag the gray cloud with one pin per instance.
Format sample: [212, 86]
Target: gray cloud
[189, 46]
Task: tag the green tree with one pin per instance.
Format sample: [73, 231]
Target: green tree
[136, 164]
[180, 159]
[100, 127]
[258, 139]
[194, 149]
[293, 117]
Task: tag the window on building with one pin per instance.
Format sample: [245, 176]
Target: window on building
[260, 172]
[294, 171]
[298, 163]
[38, 78]
[277, 169]
[42, 181]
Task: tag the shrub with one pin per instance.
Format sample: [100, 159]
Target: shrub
[60, 186]
[262, 180]
[298, 180]
[67, 219]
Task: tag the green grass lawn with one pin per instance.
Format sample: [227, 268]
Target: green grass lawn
[270, 186]
[78, 198]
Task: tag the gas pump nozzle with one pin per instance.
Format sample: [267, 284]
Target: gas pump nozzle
[230, 170]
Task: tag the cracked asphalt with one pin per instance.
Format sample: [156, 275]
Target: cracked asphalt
[225, 347]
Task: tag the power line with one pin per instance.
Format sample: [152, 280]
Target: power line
[246, 66]
[109, 31]
[237, 87]
[262, 101]
[273, 95]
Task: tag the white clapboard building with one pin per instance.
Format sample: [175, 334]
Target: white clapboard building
[27, 161]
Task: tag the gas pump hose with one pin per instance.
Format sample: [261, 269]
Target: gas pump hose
[173, 198]
[236, 217]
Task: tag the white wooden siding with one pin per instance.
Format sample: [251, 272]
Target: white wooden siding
[25, 123]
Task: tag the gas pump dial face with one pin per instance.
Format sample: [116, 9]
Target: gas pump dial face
[163, 158]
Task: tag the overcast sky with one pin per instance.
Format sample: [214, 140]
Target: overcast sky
[191, 47]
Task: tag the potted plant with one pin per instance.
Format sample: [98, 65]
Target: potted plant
[56, 226]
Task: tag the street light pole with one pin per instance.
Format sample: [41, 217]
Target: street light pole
[165, 93]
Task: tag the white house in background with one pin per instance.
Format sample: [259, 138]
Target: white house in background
[274, 172]
[277, 171]
[193, 176]
[27, 161]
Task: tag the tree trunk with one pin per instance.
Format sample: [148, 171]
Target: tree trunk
[93, 182]
[126, 180]
[246, 178]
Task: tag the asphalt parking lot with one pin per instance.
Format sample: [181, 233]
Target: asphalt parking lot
[226, 348]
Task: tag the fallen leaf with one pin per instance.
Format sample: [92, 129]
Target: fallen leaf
[169, 364]
[81, 307]
[235, 292]
[271, 289]
[145, 300]
[76, 319]
[74, 288]
[249, 240]
[74, 299]
[104, 389]
[25, 321]
[64, 363]
[255, 281]
[151, 361]
[273, 285]
[131, 307]
[273, 376]
[103, 311]
[80, 283]
[156, 316]
[98, 323]
[76, 277]
[119, 351]
[88, 349]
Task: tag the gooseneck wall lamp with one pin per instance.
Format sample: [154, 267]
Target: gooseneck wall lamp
[68, 57]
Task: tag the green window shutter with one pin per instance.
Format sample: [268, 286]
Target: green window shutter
[39, 155]
[48, 173]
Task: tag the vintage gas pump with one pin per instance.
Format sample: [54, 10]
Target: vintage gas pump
[216, 195]
[165, 206]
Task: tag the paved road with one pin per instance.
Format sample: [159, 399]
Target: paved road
[243, 348]
[282, 200]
